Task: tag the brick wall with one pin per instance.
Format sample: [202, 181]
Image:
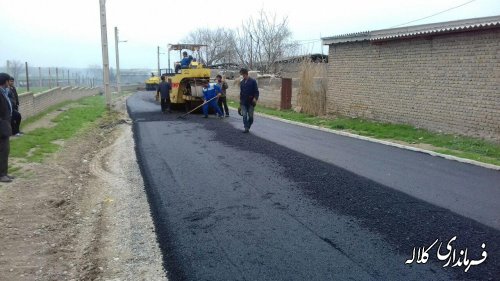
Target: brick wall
[31, 104]
[269, 91]
[445, 83]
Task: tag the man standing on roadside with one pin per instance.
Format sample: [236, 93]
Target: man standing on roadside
[164, 91]
[5, 128]
[16, 116]
[249, 94]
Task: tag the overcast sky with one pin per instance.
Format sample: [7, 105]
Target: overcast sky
[66, 33]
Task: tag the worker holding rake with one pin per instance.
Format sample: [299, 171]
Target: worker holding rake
[210, 92]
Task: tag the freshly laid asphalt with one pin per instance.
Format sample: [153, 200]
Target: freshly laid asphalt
[291, 203]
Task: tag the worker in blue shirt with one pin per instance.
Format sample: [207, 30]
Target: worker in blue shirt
[249, 94]
[184, 63]
[211, 91]
[186, 60]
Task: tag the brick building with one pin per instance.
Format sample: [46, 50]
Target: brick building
[444, 77]
[290, 67]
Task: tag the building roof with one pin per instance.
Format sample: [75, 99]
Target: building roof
[180, 47]
[344, 38]
[416, 30]
[313, 57]
[224, 65]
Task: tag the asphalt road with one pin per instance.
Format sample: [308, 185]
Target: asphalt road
[290, 203]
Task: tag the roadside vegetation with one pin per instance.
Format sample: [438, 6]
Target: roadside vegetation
[36, 144]
[465, 147]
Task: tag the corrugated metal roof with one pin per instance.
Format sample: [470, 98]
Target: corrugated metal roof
[435, 28]
[417, 30]
[349, 37]
[301, 57]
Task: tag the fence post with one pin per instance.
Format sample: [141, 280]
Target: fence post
[57, 77]
[40, 76]
[69, 81]
[27, 77]
[50, 79]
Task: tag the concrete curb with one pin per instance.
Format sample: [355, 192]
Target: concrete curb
[445, 156]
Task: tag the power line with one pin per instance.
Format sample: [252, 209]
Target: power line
[435, 14]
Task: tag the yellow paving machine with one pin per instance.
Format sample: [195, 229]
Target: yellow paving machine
[152, 82]
[187, 82]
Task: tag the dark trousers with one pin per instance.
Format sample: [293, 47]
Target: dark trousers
[223, 101]
[4, 156]
[15, 121]
[165, 104]
[247, 112]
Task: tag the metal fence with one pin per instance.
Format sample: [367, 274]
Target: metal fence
[35, 78]
[30, 77]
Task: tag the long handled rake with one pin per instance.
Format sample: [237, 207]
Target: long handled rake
[184, 115]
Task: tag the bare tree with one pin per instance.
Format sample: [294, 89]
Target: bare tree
[263, 41]
[242, 47]
[257, 44]
[218, 41]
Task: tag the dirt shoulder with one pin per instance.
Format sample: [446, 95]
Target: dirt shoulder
[82, 214]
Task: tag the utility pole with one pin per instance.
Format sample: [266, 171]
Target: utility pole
[57, 77]
[118, 87]
[168, 67]
[40, 76]
[158, 60]
[105, 58]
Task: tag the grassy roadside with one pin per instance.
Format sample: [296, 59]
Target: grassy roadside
[36, 144]
[465, 147]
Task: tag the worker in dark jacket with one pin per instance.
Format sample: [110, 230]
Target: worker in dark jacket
[222, 99]
[5, 128]
[164, 91]
[249, 94]
[16, 115]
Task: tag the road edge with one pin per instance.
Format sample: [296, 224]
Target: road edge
[384, 142]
